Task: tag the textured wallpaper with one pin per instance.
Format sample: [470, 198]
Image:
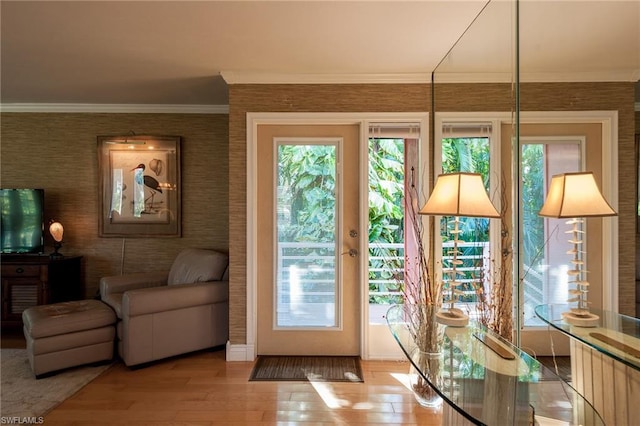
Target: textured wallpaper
[415, 98]
[58, 152]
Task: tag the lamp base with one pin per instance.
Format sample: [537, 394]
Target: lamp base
[56, 254]
[452, 317]
[583, 319]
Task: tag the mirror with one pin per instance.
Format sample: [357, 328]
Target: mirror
[590, 68]
[521, 58]
[477, 79]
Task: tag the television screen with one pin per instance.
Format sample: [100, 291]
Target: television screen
[22, 220]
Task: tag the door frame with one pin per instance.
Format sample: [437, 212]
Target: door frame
[247, 352]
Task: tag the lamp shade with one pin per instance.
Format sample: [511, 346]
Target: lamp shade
[459, 194]
[56, 230]
[575, 195]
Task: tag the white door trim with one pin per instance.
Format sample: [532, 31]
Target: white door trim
[247, 351]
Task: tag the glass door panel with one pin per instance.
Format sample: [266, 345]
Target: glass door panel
[393, 154]
[386, 224]
[466, 154]
[307, 238]
[544, 242]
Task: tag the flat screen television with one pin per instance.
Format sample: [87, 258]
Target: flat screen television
[22, 220]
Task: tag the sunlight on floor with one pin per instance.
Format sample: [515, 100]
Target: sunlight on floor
[330, 399]
[402, 378]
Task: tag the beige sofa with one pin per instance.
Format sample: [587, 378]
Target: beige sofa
[162, 314]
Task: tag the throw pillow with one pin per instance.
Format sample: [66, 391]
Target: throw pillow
[197, 265]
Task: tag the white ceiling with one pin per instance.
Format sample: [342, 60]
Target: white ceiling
[173, 52]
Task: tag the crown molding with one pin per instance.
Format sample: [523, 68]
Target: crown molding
[533, 77]
[581, 77]
[115, 108]
[475, 78]
[241, 77]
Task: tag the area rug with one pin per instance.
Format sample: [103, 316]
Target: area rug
[307, 368]
[24, 396]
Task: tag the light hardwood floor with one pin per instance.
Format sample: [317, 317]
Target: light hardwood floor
[203, 389]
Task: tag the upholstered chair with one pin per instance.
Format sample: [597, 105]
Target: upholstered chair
[162, 314]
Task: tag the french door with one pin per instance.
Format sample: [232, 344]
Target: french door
[308, 278]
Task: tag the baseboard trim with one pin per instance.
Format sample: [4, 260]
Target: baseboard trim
[240, 352]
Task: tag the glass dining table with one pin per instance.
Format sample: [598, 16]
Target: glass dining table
[485, 380]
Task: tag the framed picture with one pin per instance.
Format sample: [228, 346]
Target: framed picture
[139, 186]
[638, 183]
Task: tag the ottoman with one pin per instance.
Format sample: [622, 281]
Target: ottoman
[68, 334]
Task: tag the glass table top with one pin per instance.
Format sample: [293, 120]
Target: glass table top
[615, 334]
[488, 383]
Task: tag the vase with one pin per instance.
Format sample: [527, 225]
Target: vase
[428, 365]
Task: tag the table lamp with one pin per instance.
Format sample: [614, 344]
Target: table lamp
[57, 231]
[457, 194]
[575, 196]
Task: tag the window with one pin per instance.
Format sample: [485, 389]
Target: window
[307, 260]
[466, 147]
[544, 242]
[393, 165]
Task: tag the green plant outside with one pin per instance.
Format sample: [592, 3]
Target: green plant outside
[307, 182]
[467, 155]
[386, 215]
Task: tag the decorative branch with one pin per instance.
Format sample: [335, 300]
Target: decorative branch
[495, 303]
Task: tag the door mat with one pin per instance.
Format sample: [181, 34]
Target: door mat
[307, 368]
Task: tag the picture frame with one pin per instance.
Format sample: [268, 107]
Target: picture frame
[140, 194]
[637, 145]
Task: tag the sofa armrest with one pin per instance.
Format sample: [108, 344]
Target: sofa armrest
[113, 288]
[167, 298]
[122, 283]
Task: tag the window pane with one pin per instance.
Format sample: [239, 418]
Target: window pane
[386, 223]
[466, 154]
[544, 242]
[306, 290]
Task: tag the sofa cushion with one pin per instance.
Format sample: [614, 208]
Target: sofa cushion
[197, 265]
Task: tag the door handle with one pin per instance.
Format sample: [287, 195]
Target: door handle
[352, 252]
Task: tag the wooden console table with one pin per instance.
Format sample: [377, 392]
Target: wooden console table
[30, 280]
[605, 362]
